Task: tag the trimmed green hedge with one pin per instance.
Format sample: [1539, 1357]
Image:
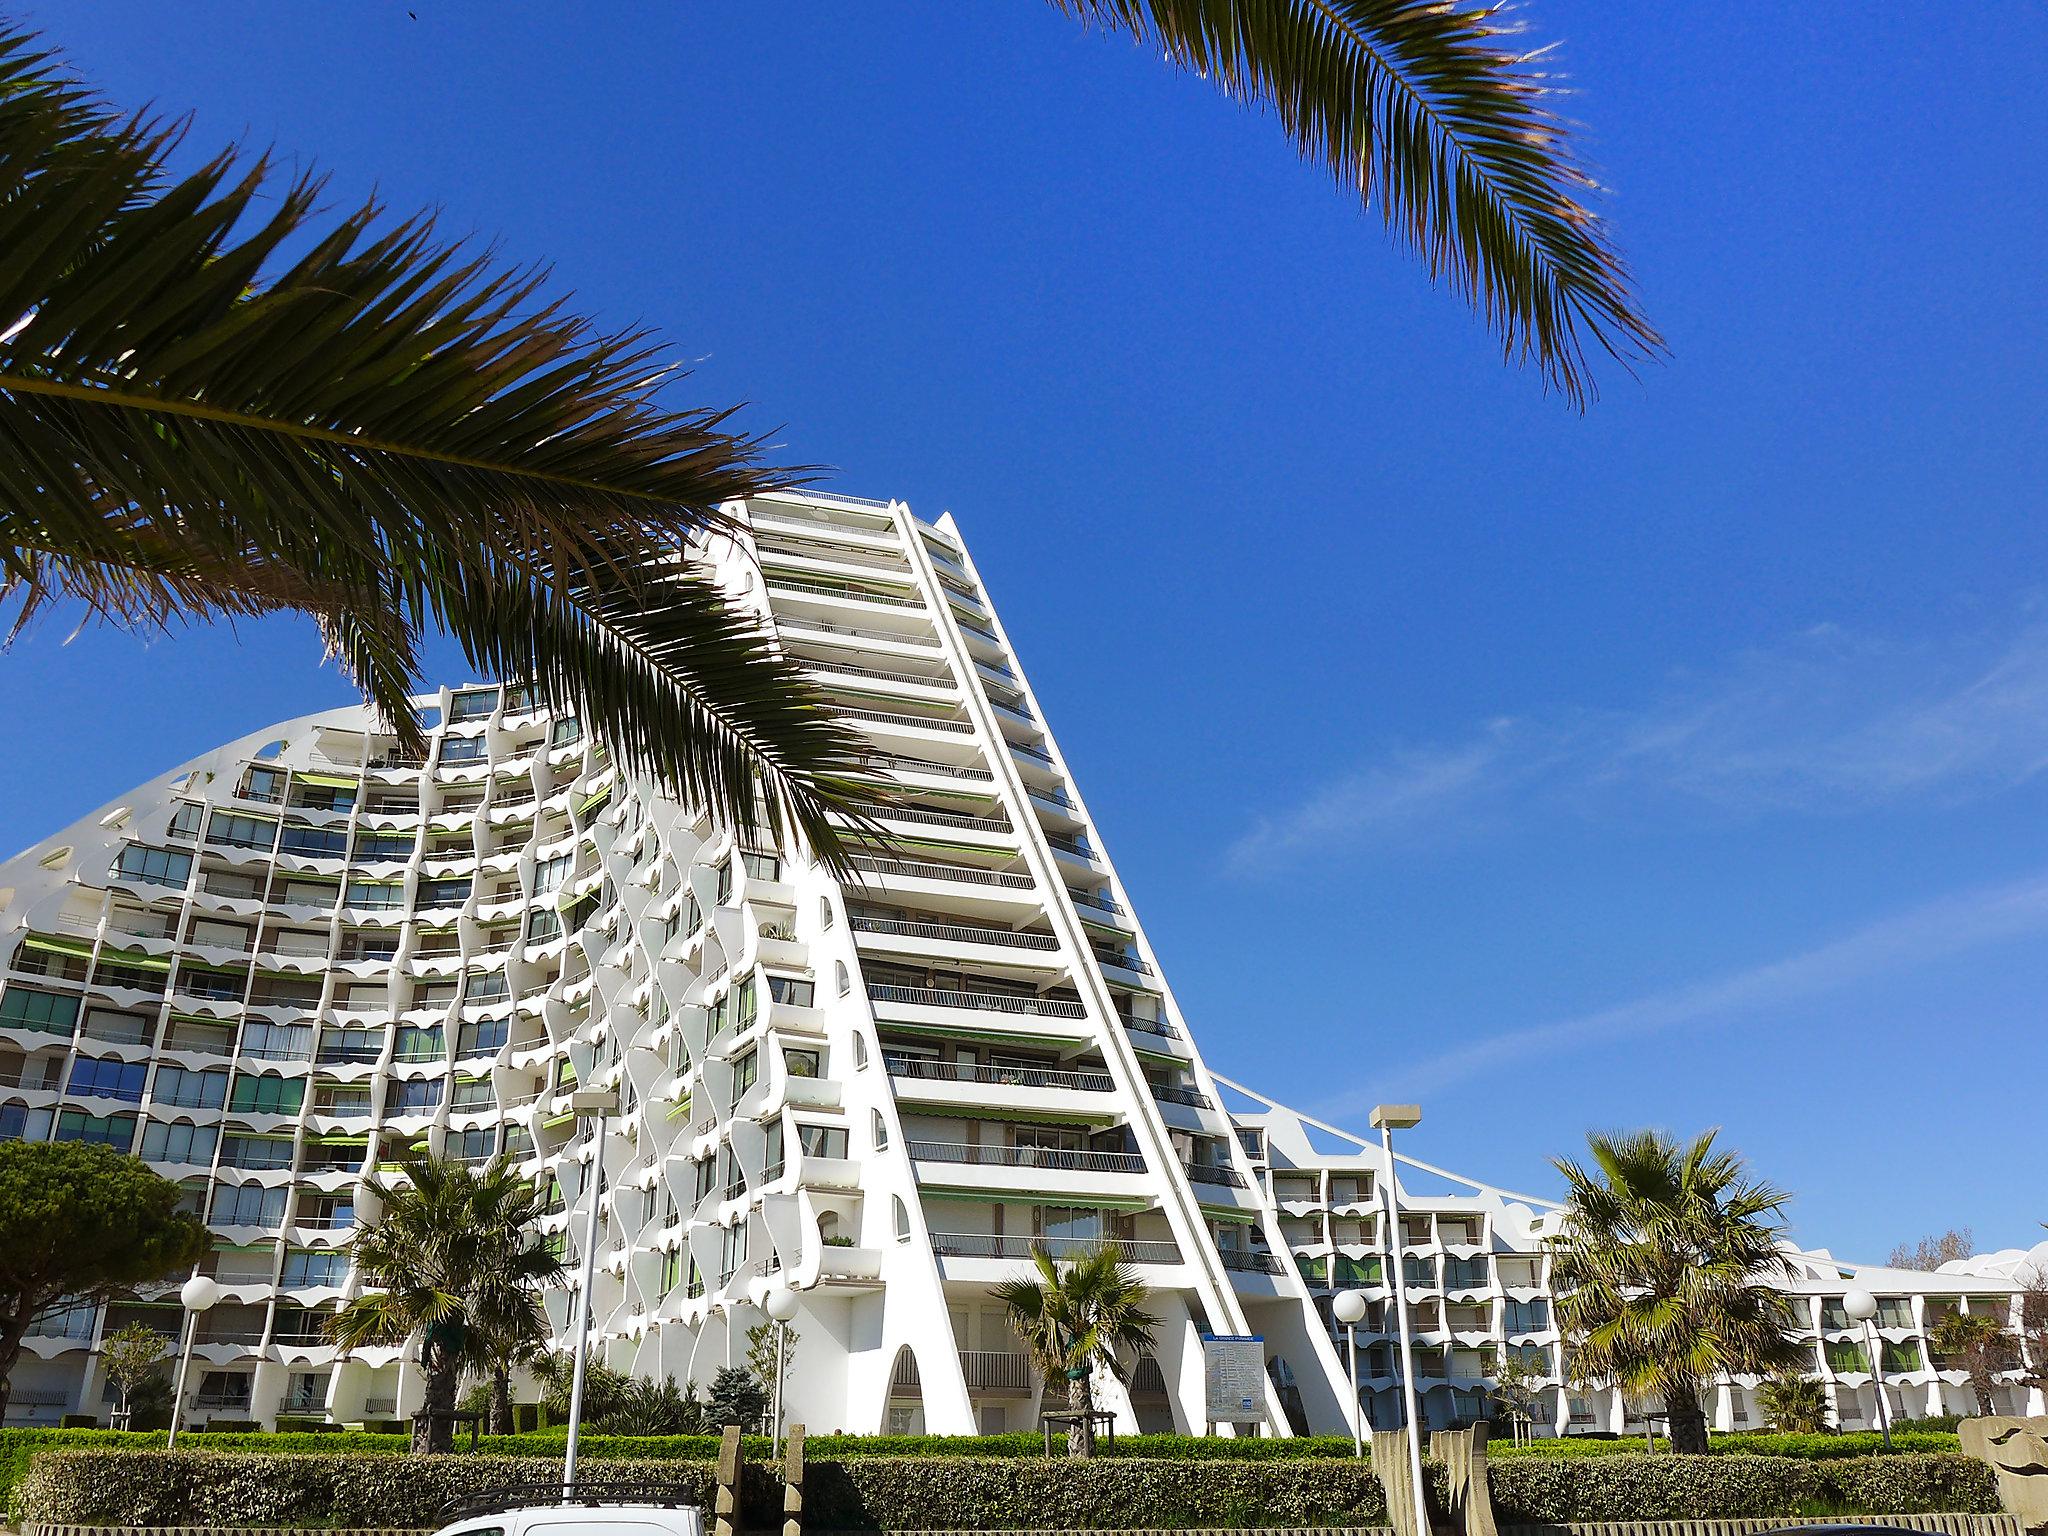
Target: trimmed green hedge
[983, 1492]
[1755, 1443]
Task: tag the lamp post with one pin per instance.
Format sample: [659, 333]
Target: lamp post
[1349, 1309]
[1862, 1306]
[597, 1103]
[1386, 1118]
[780, 1306]
[197, 1295]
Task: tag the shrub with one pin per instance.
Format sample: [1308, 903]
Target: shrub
[1548, 1490]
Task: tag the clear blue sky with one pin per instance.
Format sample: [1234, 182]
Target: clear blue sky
[1677, 765]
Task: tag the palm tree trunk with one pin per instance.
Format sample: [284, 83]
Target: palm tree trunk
[1081, 1435]
[431, 1431]
[1688, 1425]
[501, 1400]
[1980, 1383]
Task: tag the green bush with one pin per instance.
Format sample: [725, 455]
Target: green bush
[1756, 1443]
[1549, 1490]
[210, 1487]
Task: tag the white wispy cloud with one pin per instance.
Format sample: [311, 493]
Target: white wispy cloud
[1945, 927]
[1828, 722]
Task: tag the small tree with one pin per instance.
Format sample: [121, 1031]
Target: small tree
[1981, 1346]
[1518, 1379]
[82, 1222]
[131, 1356]
[1090, 1313]
[761, 1351]
[1795, 1403]
[604, 1389]
[1931, 1253]
[736, 1398]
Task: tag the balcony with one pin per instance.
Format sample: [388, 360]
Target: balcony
[957, 933]
[1246, 1261]
[1158, 1027]
[1014, 1077]
[1165, 1093]
[1213, 1173]
[778, 582]
[920, 722]
[818, 626]
[991, 1370]
[1057, 1158]
[906, 764]
[982, 1245]
[994, 1002]
[923, 870]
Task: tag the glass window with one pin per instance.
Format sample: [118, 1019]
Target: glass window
[313, 842]
[50, 1012]
[116, 1131]
[303, 1268]
[266, 1094]
[744, 1073]
[549, 874]
[374, 893]
[792, 990]
[247, 1205]
[803, 1063]
[473, 1093]
[416, 1096]
[762, 866]
[179, 1142]
[175, 1086]
[250, 1152]
[384, 847]
[185, 823]
[476, 1145]
[157, 866]
[564, 731]
[479, 705]
[263, 784]
[463, 749]
[444, 893]
[108, 1077]
[417, 1043]
[233, 831]
[484, 1037]
[822, 1140]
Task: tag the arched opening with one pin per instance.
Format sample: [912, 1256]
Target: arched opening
[905, 1414]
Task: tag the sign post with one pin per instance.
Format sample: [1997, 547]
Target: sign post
[1234, 1378]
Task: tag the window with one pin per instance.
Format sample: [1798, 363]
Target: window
[733, 1250]
[374, 893]
[802, 1063]
[565, 730]
[157, 866]
[745, 1007]
[902, 1215]
[825, 912]
[549, 874]
[256, 1152]
[476, 1146]
[1528, 1316]
[471, 1094]
[724, 893]
[116, 1131]
[521, 700]
[185, 823]
[463, 749]
[484, 1037]
[744, 1073]
[421, 1043]
[860, 1052]
[821, 1140]
[179, 1142]
[416, 1096]
[706, 1174]
[762, 866]
[792, 990]
[479, 705]
[671, 1272]
[542, 924]
[223, 1389]
[1465, 1274]
[304, 1268]
[233, 831]
[263, 784]
[444, 893]
[247, 1205]
[108, 1077]
[483, 986]
[840, 976]
[268, 1095]
[50, 1012]
[880, 1131]
[175, 1086]
[313, 842]
[383, 847]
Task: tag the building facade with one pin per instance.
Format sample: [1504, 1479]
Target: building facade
[278, 968]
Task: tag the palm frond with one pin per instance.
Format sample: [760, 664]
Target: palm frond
[1438, 111]
[216, 401]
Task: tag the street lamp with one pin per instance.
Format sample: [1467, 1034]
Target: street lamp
[1386, 1119]
[597, 1103]
[197, 1295]
[1862, 1306]
[1349, 1309]
[780, 1306]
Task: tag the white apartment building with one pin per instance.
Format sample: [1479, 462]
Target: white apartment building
[279, 966]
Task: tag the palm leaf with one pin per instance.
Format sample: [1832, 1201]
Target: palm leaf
[383, 430]
[1437, 111]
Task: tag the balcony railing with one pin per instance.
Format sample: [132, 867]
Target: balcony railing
[1022, 749]
[1157, 1027]
[983, 1156]
[781, 583]
[1099, 903]
[959, 933]
[925, 870]
[850, 669]
[793, 621]
[981, 1245]
[925, 1069]
[944, 818]
[1168, 1093]
[996, 1002]
[1250, 1262]
[909, 764]
[924, 722]
[995, 1370]
[1214, 1173]
[1123, 962]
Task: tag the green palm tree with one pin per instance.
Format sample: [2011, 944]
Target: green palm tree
[1072, 1319]
[1796, 1403]
[454, 1262]
[1662, 1273]
[1978, 1343]
[512, 1267]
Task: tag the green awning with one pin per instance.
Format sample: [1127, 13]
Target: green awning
[1154, 1055]
[80, 949]
[143, 962]
[327, 780]
[1229, 1213]
[957, 1193]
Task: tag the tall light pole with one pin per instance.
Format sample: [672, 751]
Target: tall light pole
[1862, 1306]
[780, 1306]
[1349, 1309]
[197, 1295]
[597, 1103]
[1386, 1118]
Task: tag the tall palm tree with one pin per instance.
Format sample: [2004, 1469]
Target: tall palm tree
[506, 1316]
[1072, 1319]
[1662, 1272]
[455, 1263]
